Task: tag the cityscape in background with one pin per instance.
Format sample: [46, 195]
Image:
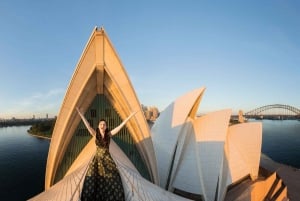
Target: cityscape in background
[151, 113]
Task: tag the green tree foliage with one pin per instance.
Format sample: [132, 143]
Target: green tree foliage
[44, 128]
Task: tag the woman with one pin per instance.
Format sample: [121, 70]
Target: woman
[102, 181]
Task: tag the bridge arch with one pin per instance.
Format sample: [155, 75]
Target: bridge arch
[260, 110]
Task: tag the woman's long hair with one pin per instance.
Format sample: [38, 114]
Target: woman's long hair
[98, 135]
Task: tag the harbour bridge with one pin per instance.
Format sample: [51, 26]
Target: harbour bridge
[275, 111]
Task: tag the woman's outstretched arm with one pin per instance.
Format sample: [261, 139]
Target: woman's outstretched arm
[118, 128]
[86, 123]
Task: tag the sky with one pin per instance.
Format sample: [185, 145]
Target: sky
[246, 53]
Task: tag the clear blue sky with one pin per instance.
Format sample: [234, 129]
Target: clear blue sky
[246, 53]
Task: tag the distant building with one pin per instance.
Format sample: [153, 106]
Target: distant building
[241, 116]
[151, 113]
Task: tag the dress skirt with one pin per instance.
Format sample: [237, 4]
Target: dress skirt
[102, 181]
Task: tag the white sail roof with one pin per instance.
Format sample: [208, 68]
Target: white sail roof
[136, 188]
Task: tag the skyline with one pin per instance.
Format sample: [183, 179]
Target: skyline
[245, 54]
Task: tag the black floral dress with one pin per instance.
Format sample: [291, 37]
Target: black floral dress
[102, 181]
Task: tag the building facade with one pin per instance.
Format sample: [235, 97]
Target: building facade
[182, 157]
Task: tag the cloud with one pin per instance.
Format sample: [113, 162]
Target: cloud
[41, 98]
[38, 104]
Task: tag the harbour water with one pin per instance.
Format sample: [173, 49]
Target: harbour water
[281, 141]
[23, 157]
[22, 163]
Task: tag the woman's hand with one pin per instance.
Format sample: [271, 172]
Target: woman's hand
[133, 113]
[118, 128]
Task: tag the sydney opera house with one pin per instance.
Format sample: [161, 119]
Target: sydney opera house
[181, 157]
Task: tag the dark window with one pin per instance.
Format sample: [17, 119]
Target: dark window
[111, 122]
[93, 113]
[81, 132]
[91, 122]
[107, 112]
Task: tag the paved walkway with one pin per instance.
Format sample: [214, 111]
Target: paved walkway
[289, 175]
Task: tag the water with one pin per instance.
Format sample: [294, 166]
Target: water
[22, 164]
[281, 141]
[23, 157]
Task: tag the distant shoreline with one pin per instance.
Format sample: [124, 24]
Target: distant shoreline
[42, 129]
[39, 136]
[22, 122]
